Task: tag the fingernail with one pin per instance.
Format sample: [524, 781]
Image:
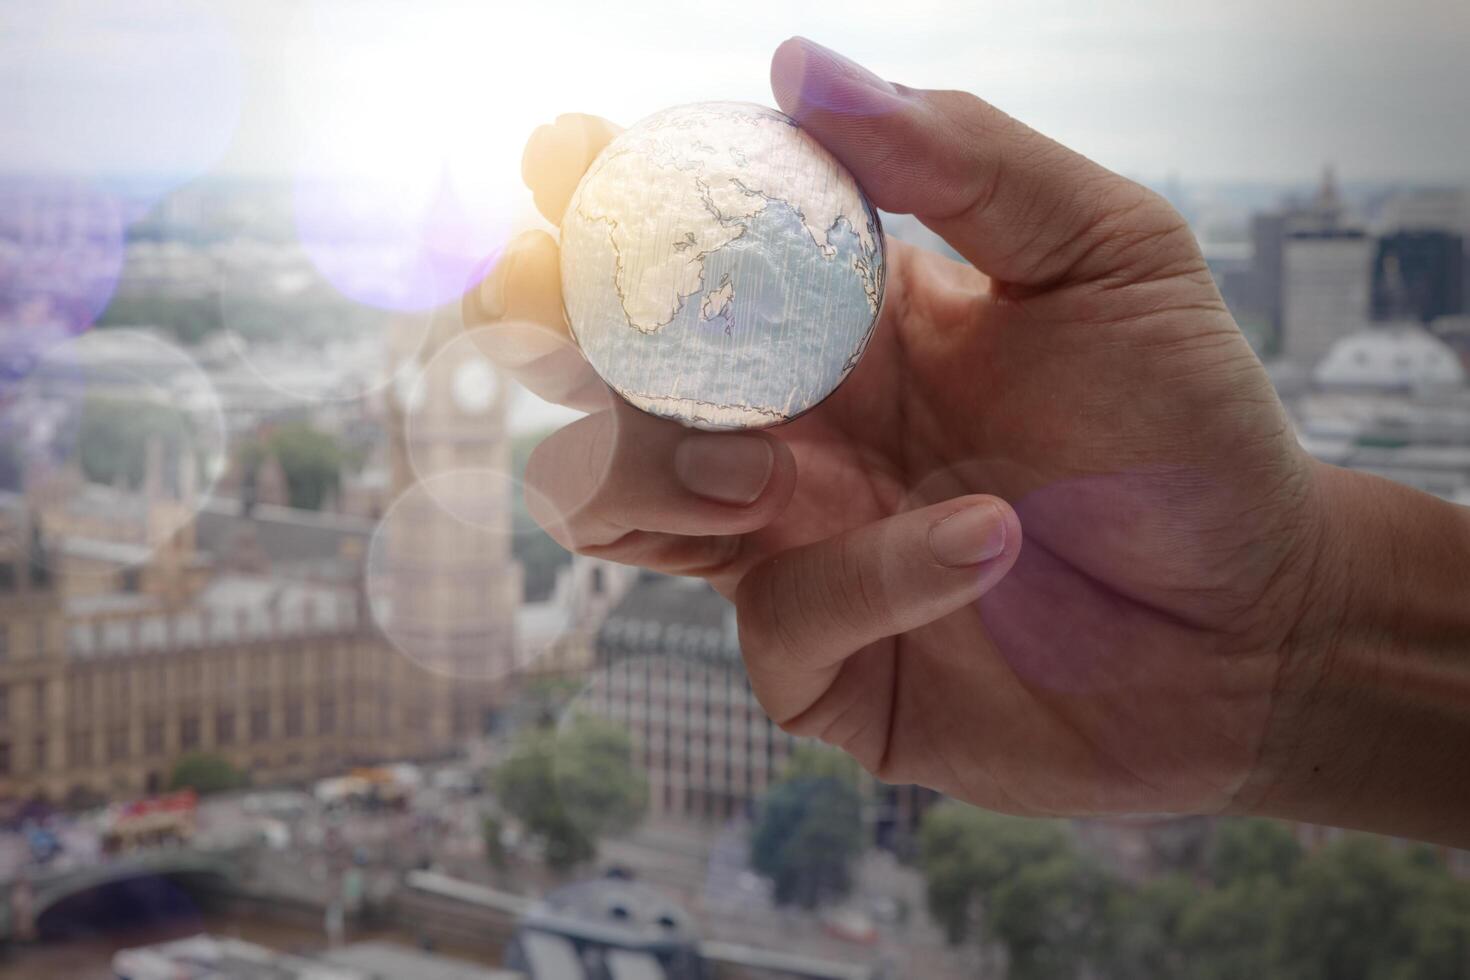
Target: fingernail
[969, 536]
[846, 67]
[730, 469]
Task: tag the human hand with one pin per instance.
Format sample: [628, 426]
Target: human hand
[1083, 367]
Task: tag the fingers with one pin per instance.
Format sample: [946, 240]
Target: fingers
[515, 313]
[558, 154]
[1024, 209]
[805, 611]
[628, 487]
[514, 317]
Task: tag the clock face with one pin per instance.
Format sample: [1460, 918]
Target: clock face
[474, 387]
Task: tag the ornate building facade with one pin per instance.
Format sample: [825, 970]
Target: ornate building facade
[104, 688]
[138, 627]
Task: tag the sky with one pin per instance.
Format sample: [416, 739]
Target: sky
[1239, 90]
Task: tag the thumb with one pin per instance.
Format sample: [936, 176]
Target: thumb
[1022, 208]
[805, 611]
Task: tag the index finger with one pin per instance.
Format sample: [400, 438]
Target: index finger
[558, 154]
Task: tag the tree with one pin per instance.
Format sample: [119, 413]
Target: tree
[810, 828]
[570, 787]
[1439, 926]
[1226, 933]
[1052, 916]
[1251, 847]
[1356, 912]
[206, 773]
[114, 435]
[1358, 909]
[966, 853]
[312, 461]
[1145, 925]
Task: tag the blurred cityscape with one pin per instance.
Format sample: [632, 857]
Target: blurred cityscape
[290, 684]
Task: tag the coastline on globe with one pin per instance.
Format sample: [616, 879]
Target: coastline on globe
[720, 267]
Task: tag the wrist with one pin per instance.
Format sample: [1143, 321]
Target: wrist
[1370, 718]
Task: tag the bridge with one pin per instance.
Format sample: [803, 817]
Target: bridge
[146, 878]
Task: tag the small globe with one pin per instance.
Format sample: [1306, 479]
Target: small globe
[720, 267]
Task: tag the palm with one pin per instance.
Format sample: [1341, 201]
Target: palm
[1127, 644]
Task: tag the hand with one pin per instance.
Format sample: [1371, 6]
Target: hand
[1082, 368]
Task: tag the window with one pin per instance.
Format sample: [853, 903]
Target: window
[7, 577]
[293, 719]
[4, 641]
[326, 716]
[39, 692]
[4, 758]
[153, 738]
[260, 724]
[38, 753]
[4, 704]
[189, 734]
[118, 749]
[79, 749]
[224, 728]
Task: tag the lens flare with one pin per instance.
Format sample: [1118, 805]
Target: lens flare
[61, 253]
[440, 580]
[119, 437]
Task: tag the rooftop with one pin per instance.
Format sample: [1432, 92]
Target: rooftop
[669, 615]
[1396, 357]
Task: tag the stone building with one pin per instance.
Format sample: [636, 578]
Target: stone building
[154, 655]
[669, 668]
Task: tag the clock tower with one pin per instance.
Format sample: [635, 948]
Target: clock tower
[443, 583]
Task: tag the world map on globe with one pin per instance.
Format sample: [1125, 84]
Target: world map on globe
[720, 267]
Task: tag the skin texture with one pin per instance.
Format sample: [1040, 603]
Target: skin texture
[1157, 603]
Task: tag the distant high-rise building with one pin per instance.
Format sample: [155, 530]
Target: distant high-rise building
[1423, 270]
[1268, 235]
[1427, 209]
[1326, 262]
[1325, 290]
[1321, 218]
[1419, 275]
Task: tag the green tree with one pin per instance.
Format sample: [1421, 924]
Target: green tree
[810, 828]
[114, 435]
[1226, 933]
[1252, 847]
[1145, 926]
[206, 773]
[1361, 909]
[570, 787]
[189, 318]
[311, 460]
[966, 853]
[1439, 926]
[1052, 916]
